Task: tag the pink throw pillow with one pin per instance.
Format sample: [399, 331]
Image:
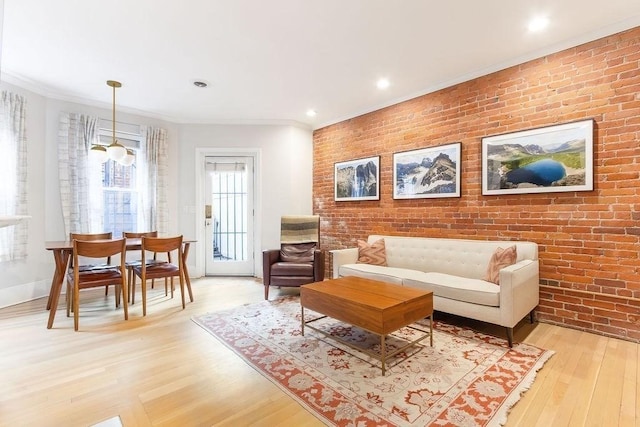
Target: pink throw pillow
[373, 254]
[501, 258]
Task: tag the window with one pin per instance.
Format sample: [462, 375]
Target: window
[120, 198]
[120, 190]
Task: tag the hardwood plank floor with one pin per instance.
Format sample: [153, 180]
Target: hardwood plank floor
[164, 370]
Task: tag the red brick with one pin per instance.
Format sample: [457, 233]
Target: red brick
[587, 240]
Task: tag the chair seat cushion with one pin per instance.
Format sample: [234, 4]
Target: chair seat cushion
[88, 267]
[292, 269]
[158, 269]
[138, 262]
[98, 276]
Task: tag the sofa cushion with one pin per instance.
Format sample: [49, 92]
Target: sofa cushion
[373, 253]
[473, 291]
[375, 272]
[501, 258]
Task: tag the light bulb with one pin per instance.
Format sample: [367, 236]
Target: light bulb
[128, 159]
[98, 153]
[116, 151]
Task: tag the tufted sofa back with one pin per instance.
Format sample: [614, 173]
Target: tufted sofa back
[460, 257]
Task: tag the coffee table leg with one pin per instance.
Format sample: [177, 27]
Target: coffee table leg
[431, 329]
[383, 353]
[302, 321]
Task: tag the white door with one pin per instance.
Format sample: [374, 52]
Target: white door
[229, 216]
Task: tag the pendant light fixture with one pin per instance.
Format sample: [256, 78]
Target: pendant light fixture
[116, 151]
[129, 158]
[99, 152]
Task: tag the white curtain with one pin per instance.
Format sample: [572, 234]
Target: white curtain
[153, 181]
[80, 176]
[13, 175]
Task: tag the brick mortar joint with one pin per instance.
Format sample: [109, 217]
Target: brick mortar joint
[596, 294]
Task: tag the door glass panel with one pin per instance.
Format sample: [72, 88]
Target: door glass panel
[229, 205]
[229, 216]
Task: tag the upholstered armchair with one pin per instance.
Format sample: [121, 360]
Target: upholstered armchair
[299, 259]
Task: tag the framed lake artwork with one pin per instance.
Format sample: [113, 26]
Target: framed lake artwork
[542, 160]
[357, 179]
[427, 173]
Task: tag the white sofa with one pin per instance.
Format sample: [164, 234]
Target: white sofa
[454, 269]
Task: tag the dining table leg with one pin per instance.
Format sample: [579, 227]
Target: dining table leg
[61, 257]
[185, 254]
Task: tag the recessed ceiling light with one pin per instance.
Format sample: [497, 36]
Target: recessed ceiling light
[383, 83]
[311, 113]
[538, 24]
[199, 83]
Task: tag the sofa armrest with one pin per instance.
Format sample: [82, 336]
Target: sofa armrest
[519, 291]
[269, 256]
[341, 257]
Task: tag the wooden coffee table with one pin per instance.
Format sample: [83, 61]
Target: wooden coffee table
[378, 307]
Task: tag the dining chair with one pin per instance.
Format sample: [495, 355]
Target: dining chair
[130, 264]
[103, 275]
[89, 237]
[160, 269]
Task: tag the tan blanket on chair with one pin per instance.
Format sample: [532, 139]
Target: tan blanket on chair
[300, 229]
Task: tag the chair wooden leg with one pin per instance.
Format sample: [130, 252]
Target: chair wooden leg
[144, 295]
[76, 305]
[69, 299]
[118, 291]
[266, 292]
[125, 298]
[129, 279]
[132, 288]
[510, 336]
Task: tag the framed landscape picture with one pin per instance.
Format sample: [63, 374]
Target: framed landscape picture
[357, 179]
[427, 173]
[543, 160]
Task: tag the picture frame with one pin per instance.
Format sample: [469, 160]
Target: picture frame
[548, 159]
[358, 179]
[431, 172]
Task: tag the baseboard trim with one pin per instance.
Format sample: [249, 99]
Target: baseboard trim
[25, 292]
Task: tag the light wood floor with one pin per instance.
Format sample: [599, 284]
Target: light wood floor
[163, 370]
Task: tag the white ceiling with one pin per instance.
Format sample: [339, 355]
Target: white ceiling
[271, 61]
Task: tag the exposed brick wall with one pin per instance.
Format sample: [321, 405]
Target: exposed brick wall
[589, 242]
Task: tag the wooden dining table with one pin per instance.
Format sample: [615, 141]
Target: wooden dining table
[62, 251]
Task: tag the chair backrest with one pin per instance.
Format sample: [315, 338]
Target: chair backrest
[87, 237]
[138, 235]
[90, 236]
[162, 244]
[98, 248]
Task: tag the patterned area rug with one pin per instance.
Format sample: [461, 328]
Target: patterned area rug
[465, 379]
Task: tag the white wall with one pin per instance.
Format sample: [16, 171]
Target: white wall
[284, 178]
[284, 174]
[30, 278]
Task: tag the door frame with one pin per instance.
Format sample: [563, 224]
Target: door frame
[201, 175]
